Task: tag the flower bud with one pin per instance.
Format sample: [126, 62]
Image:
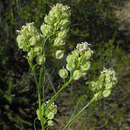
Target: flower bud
[50, 123]
[45, 29]
[70, 67]
[40, 59]
[62, 34]
[58, 42]
[50, 115]
[93, 86]
[59, 54]
[47, 19]
[108, 85]
[57, 21]
[76, 74]
[70, 59]
[75, 54]
[88, 54]
[31, 54]
[85, 66]
[38, 50]
[65, 22]
[33, 41]
[21, 41]
[106, 93]
[63, 73]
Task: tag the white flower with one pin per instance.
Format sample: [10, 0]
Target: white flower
[83, 46]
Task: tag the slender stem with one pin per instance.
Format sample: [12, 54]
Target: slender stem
[76, 107]
[35, 123]
[38, 84]
[42, 124]
[39, 93]
[58, 92]
[70, 122]
[33, 71]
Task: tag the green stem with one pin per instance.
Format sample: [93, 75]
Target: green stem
[38, 84]
[39, 93]
[70, 122]
[42, 124]
[58, 92]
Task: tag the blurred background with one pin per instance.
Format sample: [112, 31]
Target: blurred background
[105, 24]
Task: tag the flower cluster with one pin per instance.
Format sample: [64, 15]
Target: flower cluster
[30, 40]
[48, 113]
[102, 87]
[56, 24]
[78, 62]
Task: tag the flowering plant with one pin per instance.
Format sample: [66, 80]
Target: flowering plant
[50, 41]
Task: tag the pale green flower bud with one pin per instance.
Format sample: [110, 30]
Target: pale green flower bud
[37, 50]
[21, 41]
[104, 84]
[106, 93]
[51, 13]
[86, 66]
[59, 54]
[62, 34]
[109, 85]
[52, 108]
[102, 78]
[75, 54]
[57, 21]
[77, 62]
[33, 41]
[88, 54]
[56, 25]
[63, 73]
[76, 74]
[83, 73]
[51, 111]
[46, 29]
[70, 66]
[65, 22]
[40, 59]
[50, 123]
[93, 86]
[31, 54]
[47, 113]
[29, 39]
[109, 75]
[58, 42]
[47, 19]
[70, 59]
[50, 115]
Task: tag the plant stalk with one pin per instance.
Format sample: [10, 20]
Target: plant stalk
[70, 122]
[58, 92]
